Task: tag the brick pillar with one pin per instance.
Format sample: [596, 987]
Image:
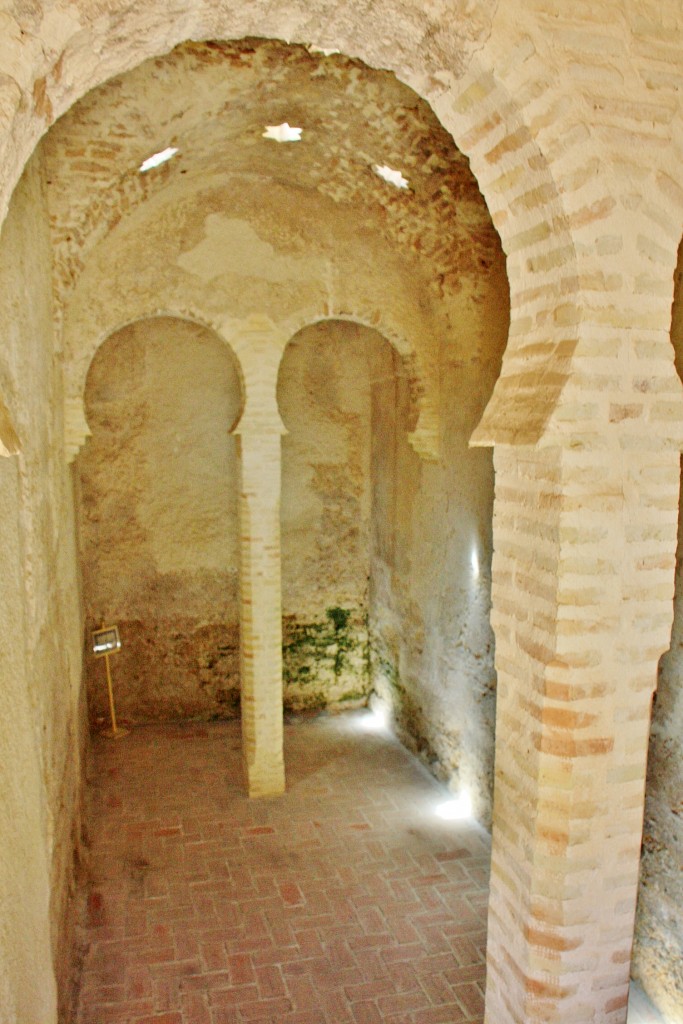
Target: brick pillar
[583, 581]
[261, 613]
[259, 433]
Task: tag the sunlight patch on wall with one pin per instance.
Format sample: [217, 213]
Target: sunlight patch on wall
[458, 809]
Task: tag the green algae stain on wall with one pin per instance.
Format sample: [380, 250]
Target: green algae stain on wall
[326, 662]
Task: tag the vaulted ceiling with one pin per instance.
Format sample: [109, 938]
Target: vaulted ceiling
[213, 102]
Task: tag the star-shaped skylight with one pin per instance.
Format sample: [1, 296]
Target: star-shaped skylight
[390, 175]
[157, 158]
[282, 133]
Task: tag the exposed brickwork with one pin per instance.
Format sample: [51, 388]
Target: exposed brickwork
[259, 435]
[576, 678]
[348, 112]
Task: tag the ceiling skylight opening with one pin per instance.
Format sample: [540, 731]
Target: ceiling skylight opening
[157, 158]
[282, 133]
[390, 175]
[321, 49]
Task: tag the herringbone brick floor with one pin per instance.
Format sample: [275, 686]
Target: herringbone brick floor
[346, 901]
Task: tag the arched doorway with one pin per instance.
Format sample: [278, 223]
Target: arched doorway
[158, 527]
[249, 234]
[370, 608]
[659, 937]
[337, 393]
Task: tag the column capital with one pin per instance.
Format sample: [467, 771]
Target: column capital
[260, 424]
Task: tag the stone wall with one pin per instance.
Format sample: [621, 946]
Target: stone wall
[40, 717]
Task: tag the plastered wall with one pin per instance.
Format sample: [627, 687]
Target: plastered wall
[430, 579]
[376, 597]
[40, 718]
[158, 518]
[324, 396]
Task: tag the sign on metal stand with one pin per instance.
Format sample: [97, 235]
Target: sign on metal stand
[106, 641]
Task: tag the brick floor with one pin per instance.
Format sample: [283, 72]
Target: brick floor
[345, 901]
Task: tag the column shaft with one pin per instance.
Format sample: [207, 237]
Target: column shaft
[261, 619]
[583, 581]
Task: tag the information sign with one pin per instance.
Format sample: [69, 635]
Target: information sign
[106, 641]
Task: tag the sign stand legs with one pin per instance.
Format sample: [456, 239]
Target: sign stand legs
[114, 732]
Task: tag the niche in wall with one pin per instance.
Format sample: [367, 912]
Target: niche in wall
[158, 529]
[386, 556]
[328, 380]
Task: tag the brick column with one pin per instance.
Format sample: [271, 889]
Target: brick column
[583, 581]
[259, 437]
[261, 613]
